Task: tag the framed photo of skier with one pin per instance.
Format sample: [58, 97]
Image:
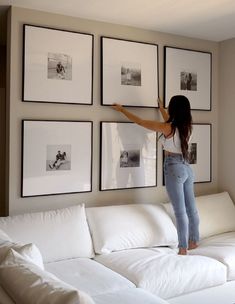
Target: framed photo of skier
[56, 157]
[57, 66]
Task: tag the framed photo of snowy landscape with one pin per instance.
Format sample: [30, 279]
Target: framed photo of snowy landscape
[57, 66]
[56, 157]
[188, 72]
[129, 72]
[128, 156]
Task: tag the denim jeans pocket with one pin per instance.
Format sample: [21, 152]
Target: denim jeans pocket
[176, 172]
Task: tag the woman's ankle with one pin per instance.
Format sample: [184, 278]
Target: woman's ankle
[192, 245]
[182, 251]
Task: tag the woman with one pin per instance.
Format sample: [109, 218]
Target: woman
[176, 131]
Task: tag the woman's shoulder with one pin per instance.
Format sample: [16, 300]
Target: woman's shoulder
[167, 130]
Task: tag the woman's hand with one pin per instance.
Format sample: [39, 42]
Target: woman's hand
[117, 107]
[163, 111]
[160, 103]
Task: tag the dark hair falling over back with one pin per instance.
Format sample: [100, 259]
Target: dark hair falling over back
[180, 117]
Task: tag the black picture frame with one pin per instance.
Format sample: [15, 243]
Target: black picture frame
[201, 153]
[127, 161]
[188, 72]
[131, 77]
[56, 157]
[57, 66]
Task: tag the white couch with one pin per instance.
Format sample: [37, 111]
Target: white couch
[117, 254]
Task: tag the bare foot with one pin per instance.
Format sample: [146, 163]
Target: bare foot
[192, 245]
[182, 251]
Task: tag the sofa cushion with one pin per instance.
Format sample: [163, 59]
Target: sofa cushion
[216, 213]
[27, 283]
[127, 296]
[29, 251]
[4, 237]
[163, 272]
[223, 294]
[59, 234]
[122, 227]
[220, 247]
[88, 275]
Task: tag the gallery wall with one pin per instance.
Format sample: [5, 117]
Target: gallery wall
[18, 110]
[226, 172]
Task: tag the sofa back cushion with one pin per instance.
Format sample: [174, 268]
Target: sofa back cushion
[59, 234]
[216, 213]
[122, 227]
[4, 237]
[27, 283]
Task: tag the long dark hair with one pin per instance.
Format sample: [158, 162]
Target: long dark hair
[180, 117]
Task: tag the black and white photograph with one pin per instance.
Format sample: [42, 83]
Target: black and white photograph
[188, 81]
[131, 75]
[188, 72]
[128, 156]
[57, 66]
[56, 157]
[193, 153]
[200, 152]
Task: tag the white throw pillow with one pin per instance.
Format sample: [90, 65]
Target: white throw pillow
[122, 227]
[32, 254]
[29, 251]
[59, 234]
[84, 298]
[28, 284]
[4, 237]
[216, 213]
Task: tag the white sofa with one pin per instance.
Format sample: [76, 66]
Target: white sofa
[117, 254]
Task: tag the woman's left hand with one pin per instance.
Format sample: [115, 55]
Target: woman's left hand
[160, 103]
[117, 107]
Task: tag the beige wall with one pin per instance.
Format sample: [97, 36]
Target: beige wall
[19, 110]
[226, 166]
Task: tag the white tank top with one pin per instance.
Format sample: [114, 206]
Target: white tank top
[172, 144]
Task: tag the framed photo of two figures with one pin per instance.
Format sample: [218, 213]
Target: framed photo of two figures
[128, 156]
[188, 72]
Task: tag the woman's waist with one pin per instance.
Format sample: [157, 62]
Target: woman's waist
[171, 157]
[174, 154]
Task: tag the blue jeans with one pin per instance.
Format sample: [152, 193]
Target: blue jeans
[179, 181]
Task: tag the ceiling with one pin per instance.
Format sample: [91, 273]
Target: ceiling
[206, 19]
